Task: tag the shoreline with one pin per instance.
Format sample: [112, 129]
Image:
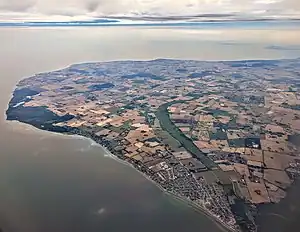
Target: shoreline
[191, 204]
[107, 153]
[31, 116]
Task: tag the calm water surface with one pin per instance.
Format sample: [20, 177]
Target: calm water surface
[50, 182]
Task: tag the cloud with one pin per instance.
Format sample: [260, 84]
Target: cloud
[92, 6]
[16, 5]
[95, 8]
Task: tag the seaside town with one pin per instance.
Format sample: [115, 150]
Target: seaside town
[222, 136]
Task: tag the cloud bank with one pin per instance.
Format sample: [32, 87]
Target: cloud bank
[11, 10]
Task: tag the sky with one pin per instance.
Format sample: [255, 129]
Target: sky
[24, 10]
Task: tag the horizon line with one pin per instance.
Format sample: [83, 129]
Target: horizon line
[142, 22]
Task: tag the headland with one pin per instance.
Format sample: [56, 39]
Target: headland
[221, 136]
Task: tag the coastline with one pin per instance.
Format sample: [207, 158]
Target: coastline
[15, 136]
[196, 207]
[45, 123]
[107, 153]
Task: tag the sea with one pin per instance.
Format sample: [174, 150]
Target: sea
[51, 182]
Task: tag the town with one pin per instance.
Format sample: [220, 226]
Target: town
[221, 136]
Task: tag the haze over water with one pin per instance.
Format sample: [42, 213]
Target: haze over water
[50, 182]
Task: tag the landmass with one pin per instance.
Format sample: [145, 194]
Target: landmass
[223, 136]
